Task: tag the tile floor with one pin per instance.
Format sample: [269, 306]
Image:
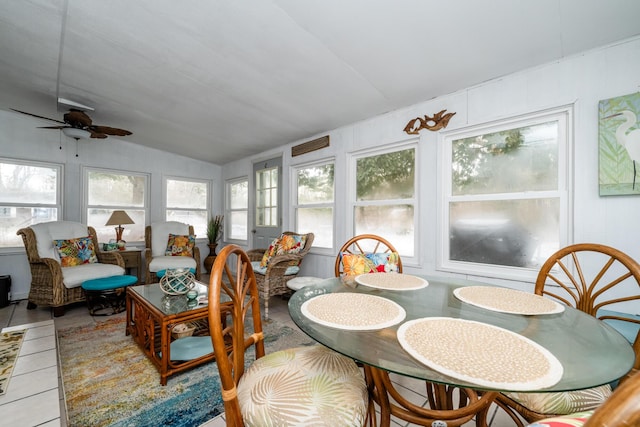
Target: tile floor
[36, 380]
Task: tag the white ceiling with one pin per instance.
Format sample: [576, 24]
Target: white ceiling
[221, 80]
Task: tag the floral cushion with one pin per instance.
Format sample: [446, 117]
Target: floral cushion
[76, 251]
[179, 245]
[568, 402]
[285, 244]
[354, 264]
[573, 420]
[303, 386]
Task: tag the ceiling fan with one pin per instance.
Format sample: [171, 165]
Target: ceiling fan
[78, 125]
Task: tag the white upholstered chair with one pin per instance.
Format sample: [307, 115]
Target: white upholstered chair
[53, 284]
[156, 237]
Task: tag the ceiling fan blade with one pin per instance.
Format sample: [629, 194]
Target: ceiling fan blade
[52, 127]
[97, 134]
[40, 117]
[109, 130]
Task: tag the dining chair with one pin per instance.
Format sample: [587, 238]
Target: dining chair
[622, 409]
[593, 278]
[367, 252]
[276, 265]
[295, 387]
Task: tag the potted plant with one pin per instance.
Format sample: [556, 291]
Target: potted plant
[214, 233]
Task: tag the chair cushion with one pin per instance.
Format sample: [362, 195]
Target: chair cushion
[180, 245]
[47, 232]
[573, 420]
[563, 402]
[285, 244]
[290, 271]
[303, 386]
[160, 234]
[164, 262]
[74, 276]
[354, 264]
[76, 251]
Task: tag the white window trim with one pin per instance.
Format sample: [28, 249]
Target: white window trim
[293, 173]
[85, 192]
[564, 115]
[227, 208]
[59, 195]
[208, 209]
[351, 196]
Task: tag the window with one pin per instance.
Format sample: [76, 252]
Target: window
[506, 200]
[109, 190]
[385, 197]
[187, 201]
[30, 192]
[267, 197]
[237, 212]
[314, 201]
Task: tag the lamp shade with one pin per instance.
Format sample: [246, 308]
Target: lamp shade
[119, 218]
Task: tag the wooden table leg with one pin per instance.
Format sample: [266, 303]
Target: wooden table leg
[443, 405]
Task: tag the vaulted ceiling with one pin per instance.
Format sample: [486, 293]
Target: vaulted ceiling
[220, 80]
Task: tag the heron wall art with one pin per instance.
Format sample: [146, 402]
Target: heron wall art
[619, 145]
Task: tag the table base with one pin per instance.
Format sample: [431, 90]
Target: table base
[442, 403]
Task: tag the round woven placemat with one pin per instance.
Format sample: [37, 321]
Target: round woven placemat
[392, 281]
[353, 311]
[507, 300]
[481, 354]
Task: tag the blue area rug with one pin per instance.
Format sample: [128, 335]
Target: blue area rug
[108, 381]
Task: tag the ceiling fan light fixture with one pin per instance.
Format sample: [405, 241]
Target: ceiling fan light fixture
[76, 133]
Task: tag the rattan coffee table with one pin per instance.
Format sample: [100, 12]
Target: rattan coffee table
[151, 318]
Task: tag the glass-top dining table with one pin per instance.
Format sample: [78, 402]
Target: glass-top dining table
[591, 352]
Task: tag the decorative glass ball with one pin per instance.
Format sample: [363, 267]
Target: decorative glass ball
[177, 281]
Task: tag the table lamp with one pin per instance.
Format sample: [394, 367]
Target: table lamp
[118, 218]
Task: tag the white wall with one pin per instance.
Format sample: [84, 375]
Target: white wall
[20, 139]
[581, 80]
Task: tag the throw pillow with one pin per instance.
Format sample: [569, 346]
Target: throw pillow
[76, 251]
[179, 245]
[354, 264]
[573, 420]
[285, 244]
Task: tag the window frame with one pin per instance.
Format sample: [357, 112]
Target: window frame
[295, 205]
[201, 235]
[564, 115]
[352, 203]
[85, 196]
[59, 168]
[228, 210]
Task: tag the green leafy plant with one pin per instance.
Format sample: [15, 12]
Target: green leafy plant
[214, 228]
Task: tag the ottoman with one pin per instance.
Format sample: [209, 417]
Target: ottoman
[106, 296]
[298, 283]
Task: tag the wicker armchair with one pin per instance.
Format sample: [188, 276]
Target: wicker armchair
[273, 280]
[156, 237]
[48, 286]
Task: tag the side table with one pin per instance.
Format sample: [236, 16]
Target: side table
[133, 259]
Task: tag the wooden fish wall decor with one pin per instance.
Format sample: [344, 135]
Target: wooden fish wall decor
[439, 121]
